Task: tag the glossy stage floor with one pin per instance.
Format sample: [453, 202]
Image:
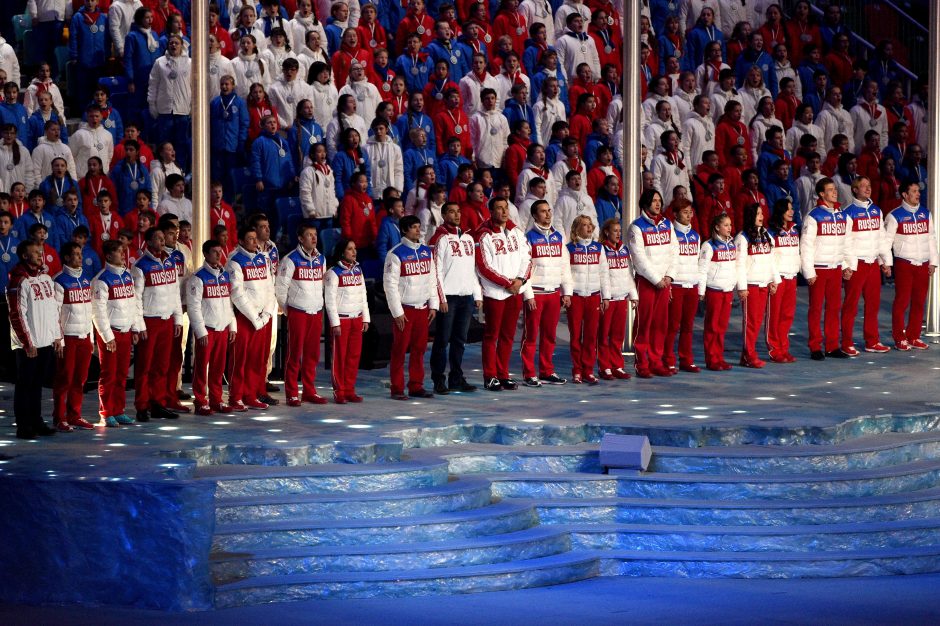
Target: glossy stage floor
[801, 471]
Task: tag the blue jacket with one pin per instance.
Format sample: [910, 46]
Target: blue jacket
[764, 61]
[91, 263]
[404, 67]
[458, 64]
[138, 59]
[89, 49]
[538, 79]
[389, 235]
[344, 166]
[23, 222]
[228, 125]
[37, 129]
[515, 112]
[805, 71]
[594, 141]
[310, 134]
[777, 189]
[607, 206]
[414, 158]
[267, 164]
[8, 247]
[406, 121]
[128, 182]
[553, 153]
[446, 169]
[334, 36]
[668, 49]
[391, 13]
[65, 224]
[52, 193]
[113, 123]
[696, 41]
[531, 56]
[660, 10]
[16, 114]
[765, 163]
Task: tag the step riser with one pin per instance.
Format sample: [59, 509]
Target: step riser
[377, 509]
[374, 535]
[730, 542]
[352, 483]
[237, 570]
[472, 464]
[608, 488]
[735, 517]
[469, 584]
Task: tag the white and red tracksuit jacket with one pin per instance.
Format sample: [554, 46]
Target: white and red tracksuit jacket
[115, 304]
[909, 235]
[717, 266]
[686, 268]
[589, 273]
[251, 286]
[653, 247]
[73, 294]
[787, 250]
[864, 233]
[34, 312]
[620, 271]
[454, 259]
[299, 282]
[410, 278]
[157, 285]
[344, 293]
[822, 244]
[502, 256]
[209, 301]
[551, 268]
[757, 264]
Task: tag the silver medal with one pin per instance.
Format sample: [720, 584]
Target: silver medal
[361, 97]
[282, 153]
[420, 30]
[520, 30]
[922, 185]
[172, 75]
[610, 20]
[87, 261]
[457, 130]
[59, 202]
[806, 37]
[105, 236]
[250, 74]
[373, 43]
[415, 70]
[10, 167]
[290, 99]
[386, 87]
[677, 171]
[382, 164]
[708, 135]
[438, 96]
[213, 70]
[99, 147]
[453, 60]
[494, 131]
[740, 141]
[5, 258]
[94, 28]
[873, 122]
[487, 38]
[109, 123]
[765, 67]
[608, 49]
[134, 185]
[313, 140]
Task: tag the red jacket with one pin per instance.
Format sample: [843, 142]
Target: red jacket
[226, 45]
[473, 214]
[96, 226]
[728, 135]
[434, 99]
[868, 163]
[89, 186]
[745, 198]
[839, 67]
[410, 25]
[146, 154]
[369, 34]
[889, 194]
[223, 214]
[596, 177]
[446, 125]
[601, 94]
[785, 109]
[50, 260]
[608, 40]
[342, 60]
[513, 25]
[515, 158]
[710, 206]
[798, 36]
[357, 218]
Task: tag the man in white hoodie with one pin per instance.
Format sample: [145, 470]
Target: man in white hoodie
[287, 92]
[489, 132]
[92, 139]
[835, 120]
[49, 148]
[120, 19]
[572, 202]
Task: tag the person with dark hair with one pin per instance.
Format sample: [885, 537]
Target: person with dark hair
[50, 258]
[759, 276]
[785, 234]
[357, 212]
[683, 291]
[410, 283]
[347, 309]
[718, 280]
[141, 49]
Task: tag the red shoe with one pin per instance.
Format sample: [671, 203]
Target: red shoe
[176, 407]
[790, 358]
[590, 379]
[691, 368]
[257, 405]
[607, 375]
[903, 346]
[313, 398]
[395, 396]
[224, 408]
[754, 364]
[715, 367]
[83, 424]
[293, 402]
[339, 398]
[619, 374]
[661, 371]
[780, 359]
[878, 348]
[351, 397]
[851, 351]
[237, 407]
[204, 410]
[917, 344]
[644, 374]
[576, 379]
[725, 365]
[64, 427]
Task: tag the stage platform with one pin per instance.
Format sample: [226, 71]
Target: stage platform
[805, 470]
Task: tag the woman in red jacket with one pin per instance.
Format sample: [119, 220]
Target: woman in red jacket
[730, 132]
[357, 213]
[259, 107]
[474, 212]
[91, 184]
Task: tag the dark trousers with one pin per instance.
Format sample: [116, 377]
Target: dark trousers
[451, 330]
[27, 395]
[177, 129]
[222, 165]
[7, 359]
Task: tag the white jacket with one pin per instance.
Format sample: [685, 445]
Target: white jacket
[410, 278]
[274, 58]
[653, 247]
[541, 12]
[9, 62]
[834, 122]
[682, 104]
[757, 264]
[796, 132]
[570, 205]
[910, 235]
[157, 286]
[665, 178]
[573, 51]
[158, 173]
[504, 87]
[806, 190]
[367, 98]
[470, 88]
[388, 165]
[489, 136]
[686, 267]
[307, 57]
[548, 111]
[502, 255]
[219, 66]
[344, 294]
[250, 69]
[454, 259]
[529, 172]
[560, 171]
[589, 269]
[285, 96]
[299, 27]
[88, 142]
[30, 98]
[620, 272]
[551, 267]
[115, 304]
[431, 219]
[32, 300]
[49, 10]
[209, 301]
[333, 131]
[318, 193]
[717, 266]
[864, 122]
[22, 172]
[251, 285]
[299, 282]
[324, 102]
[120, 20]
[75, 319]
[170, 87]
[822, 242]
[787, 251]
[759, 128]
[561, 18]
[698, 135]
[864, 233]
[46, 152]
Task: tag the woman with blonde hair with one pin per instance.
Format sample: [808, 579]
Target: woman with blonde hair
[590, 286]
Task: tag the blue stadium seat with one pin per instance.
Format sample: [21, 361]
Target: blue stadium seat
[289, 215]
[244, 187]
[62, 62]
[329, 237]
[21, 24]
[32, 50]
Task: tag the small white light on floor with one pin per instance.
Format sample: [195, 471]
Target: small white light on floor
[667, 412]
[792, 395]
[331, 420]
[765, 398]
[92, 456]
[533, 420]
[634, 400]
[169, 428]
[666, 406]
[408, 417]
[266, 418]
[220, 423]
[274, 430]
[169, 465]
[359, 426]
[116, 445]
[856, 387]
[191, 437]
[698, 417]
[281, 441]
[699, 408]
[739, 411]
[886, 393]
[584, 401]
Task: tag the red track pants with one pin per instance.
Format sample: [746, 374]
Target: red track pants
[303, 350]
[208, 367]
[613, 334]
[682, 310]
[865, 282]
[249, 360]
[717, 315]
[826, 291]
[347, 348]
[413, 339]
[152, 365]
[754, 310]
[652, 321]
[540, 325]
[911, 283]
[71, 372]
[112, 397]
[780, 318]
[499, 333]
[584, 320]
[177, 351]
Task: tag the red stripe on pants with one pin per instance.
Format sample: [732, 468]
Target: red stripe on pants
[652, 320]
[347, 348]
[826, 291]
[865, 282]
[584, 317]
[717, 315]
[208, 366]
[911, 283]
[499, 333]
[71, 372]
[152, 364]
[613, 334]
[414, 339]
[249, 360]
[303, 350]
[780, 318]
[177, 349]
[682, 308]
[112, 397]
[540, 325]
[756, 307]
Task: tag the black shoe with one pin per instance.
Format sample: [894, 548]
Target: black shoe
[837, 354]
[462, 385]
[182, 395]
[441, 389]
[493, 384]
[158, 412]
[26, 434]
[817, 355]
[420, 393]
[43, 430]
[271, 388]
[553, 379]
[509, 384]
[532, 381]
[268, 399]
[143, 416]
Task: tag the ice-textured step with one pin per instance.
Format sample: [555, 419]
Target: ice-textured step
[457, 495]
[526, 544]
[821, 538]
[256, 480]
[550, 570]
[497, 519]
[861, 483]
[912, 505]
